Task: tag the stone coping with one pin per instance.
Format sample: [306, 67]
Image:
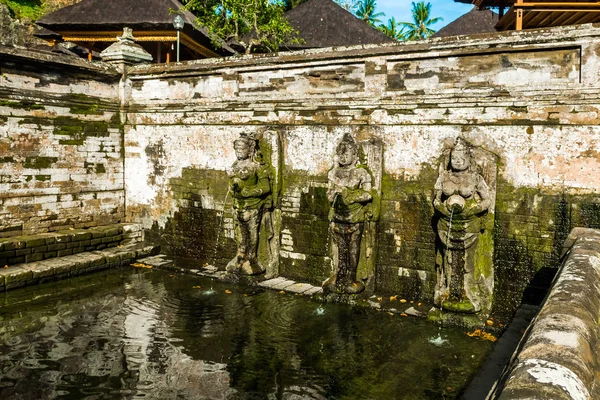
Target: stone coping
[33, 248]
[12, 277]
[433, 47]
[558, 357]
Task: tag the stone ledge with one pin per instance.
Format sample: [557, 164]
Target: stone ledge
[558, 356]
[27, 274]
[35, 248]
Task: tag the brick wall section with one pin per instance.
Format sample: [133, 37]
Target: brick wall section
[61, 144]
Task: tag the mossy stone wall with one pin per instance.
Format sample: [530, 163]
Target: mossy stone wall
[61, 144]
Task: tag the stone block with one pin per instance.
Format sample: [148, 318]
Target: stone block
[50, 254]
[34, 257]
[64, 252]
[8, 254]
[299, 288]
[34, 241]
[16, 260]
[40, 249]
[15, 277]
[95, 242]
[57, 246]
[96, 234]
[40, 269]
[23, 252]
[81, 235]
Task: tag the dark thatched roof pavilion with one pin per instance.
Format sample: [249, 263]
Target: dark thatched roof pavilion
[473, 22]
[323, 23]
[96, 24]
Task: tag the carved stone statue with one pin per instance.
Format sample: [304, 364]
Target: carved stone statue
[250, 187]
[350, 194]
[464, 258]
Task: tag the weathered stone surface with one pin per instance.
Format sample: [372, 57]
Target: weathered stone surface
[522, 96]
[558, 359]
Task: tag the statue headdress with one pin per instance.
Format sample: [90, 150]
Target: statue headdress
[248, 139]
[347, 141]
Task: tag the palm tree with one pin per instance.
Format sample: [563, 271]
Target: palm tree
[391, 29]
[366, 12]
[420, 28]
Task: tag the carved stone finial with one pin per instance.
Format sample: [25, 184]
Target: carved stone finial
[125, 51]
[127, 35]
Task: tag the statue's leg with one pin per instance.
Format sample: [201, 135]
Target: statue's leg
[353, 238]
[236, 261]
[250, 265]
[336, 249]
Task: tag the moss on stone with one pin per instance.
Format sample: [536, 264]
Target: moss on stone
[39, 162]
[22, 105]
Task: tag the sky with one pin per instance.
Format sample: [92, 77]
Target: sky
[401, 10]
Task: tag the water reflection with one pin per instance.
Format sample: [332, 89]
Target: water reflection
[145, 334]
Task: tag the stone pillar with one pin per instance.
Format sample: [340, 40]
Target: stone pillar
[122, 54]
[125, 52]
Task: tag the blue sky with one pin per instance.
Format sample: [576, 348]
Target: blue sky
[400, 9]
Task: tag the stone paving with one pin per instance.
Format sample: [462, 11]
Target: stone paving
[16, 276]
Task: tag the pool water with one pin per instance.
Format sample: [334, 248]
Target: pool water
[149, 334]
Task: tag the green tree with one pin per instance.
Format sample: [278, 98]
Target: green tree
[419, 28]
[251, 24]
[366, 12]
[391, 29]
[289, 4]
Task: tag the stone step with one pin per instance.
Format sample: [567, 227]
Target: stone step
[25, 274]
[33, 248]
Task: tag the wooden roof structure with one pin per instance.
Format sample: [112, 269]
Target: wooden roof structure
[529, 14]
[95, 24]
[474, 22]
[323, 23]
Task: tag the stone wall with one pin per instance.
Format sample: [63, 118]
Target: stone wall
[557, 358]
[531, 98]
[61, 163]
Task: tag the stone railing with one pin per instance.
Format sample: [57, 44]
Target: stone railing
[558, 356]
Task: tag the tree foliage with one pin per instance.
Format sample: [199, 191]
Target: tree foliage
[366, 11]
[392, 29]
[419, 28]
[251, 24]
[289, 4]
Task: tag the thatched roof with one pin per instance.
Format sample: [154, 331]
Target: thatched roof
[323, 23]
[114, 15]
[475, 21]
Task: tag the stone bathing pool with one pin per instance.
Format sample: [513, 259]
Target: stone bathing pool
[131, 333]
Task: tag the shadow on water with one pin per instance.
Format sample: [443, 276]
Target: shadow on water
[156, 335]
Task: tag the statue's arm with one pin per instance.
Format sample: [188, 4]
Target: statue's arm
[438, 204]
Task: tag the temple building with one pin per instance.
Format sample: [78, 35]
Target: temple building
[95, 25]
[528, 14]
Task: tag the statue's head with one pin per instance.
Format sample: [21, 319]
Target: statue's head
[244, 146]
[460, 157]
[347, 151]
